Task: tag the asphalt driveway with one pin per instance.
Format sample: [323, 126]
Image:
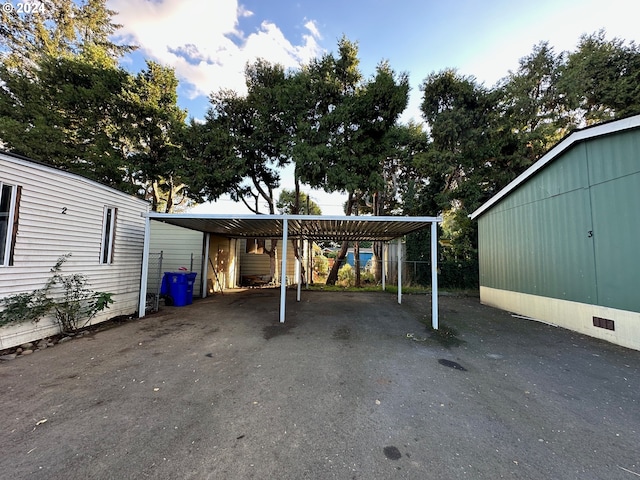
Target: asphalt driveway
[351, 387]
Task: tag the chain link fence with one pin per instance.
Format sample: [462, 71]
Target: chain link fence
[417, 273]
[161, 262]
[451, 273]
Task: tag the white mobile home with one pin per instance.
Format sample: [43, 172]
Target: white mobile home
[46, 213]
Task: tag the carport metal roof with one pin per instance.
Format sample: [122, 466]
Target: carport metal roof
[309, 227]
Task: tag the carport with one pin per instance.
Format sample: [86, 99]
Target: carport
[301, 227]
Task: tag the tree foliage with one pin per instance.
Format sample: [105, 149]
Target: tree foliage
[66, 102]
[343, 128]
[480, 139]
[154, 125]
[254, 128]
[61, 97]
[340, 144]
[59, 28]
[601, 78]
[64, 114]
[287, 203]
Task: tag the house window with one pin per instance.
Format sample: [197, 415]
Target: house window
[8, 222]
[108, 234]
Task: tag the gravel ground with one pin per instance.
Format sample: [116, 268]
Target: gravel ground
[351, 387]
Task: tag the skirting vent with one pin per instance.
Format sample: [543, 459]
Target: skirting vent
[604, 323]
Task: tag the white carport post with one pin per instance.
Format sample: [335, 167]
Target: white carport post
[142, 305]
[205, 267]
[384, 265]
[299, 270]
[434, 275]
[399, 270]
[310, 262]
[283, 270]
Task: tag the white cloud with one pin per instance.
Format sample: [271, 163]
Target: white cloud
[203, 43]
[243, 12]
[313, 28]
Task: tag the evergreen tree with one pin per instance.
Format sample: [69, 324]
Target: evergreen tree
[153, 126]
[601, 79]
[61, 99]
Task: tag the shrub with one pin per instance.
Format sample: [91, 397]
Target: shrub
[346, 276]
[321, 264]
[67, 296]
[367, 278]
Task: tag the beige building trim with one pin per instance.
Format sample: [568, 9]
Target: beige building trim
[571, 315]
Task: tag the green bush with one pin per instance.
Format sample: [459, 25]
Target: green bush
[457, 259]
[346, 276]
[459, 274]
[451, 273]
[321, 264]
[367, 278]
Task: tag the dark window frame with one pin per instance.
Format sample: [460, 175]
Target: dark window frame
[109, 217]
[10, 197]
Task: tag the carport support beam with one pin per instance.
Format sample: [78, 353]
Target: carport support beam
[298, 270]
[205, 267]
[283, 270]
[142, 306]
[399, 269]
[434, 275]
[310, 261]
[384, 266]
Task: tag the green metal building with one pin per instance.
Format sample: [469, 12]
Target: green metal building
[561, 243]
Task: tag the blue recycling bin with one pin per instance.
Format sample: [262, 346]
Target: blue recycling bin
[177, 288]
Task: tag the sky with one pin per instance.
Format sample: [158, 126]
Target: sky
[209, 43]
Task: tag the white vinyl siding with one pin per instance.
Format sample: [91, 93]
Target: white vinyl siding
[62, 213]
[180, 247]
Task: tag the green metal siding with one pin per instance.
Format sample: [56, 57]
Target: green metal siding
[613, 157]
[616, 221]
[529, 249]
[556, 179]
[614, 171]
[572, 231]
